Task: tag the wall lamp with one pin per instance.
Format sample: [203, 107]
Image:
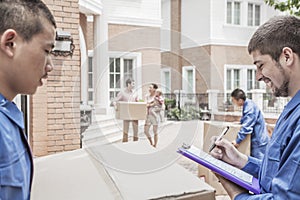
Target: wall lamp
[63, 44]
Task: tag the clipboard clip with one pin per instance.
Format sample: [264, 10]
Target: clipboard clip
[186, 146]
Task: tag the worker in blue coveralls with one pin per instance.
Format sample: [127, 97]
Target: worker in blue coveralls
[252, 122]
[275, 49]
[27, 36]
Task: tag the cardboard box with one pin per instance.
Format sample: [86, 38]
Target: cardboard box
[212, 128]
[131, 110]
[81, 174]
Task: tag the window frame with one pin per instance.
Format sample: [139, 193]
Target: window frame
[186, 86]
[166, 87]
[136, 70]
[233, 14]
[91, 90]
[254, 20]
[243, 69]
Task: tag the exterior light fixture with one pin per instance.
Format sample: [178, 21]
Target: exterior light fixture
[63, 44]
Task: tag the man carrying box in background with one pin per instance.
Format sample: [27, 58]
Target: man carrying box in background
[129, 96]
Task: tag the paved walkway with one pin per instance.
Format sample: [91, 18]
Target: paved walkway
[172, 132]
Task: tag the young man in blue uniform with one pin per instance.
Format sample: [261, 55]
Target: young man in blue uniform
[27, 36]
[253, 123]
[275, 48]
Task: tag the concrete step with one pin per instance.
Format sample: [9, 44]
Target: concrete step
[110, 138]
[104, 126]
[106, 129]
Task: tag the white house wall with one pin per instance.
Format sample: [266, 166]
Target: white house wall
[166, 25]
[195, 23]
[134, 12]
[236, 35]
[204, 23]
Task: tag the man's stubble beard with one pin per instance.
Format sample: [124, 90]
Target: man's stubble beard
[283, 90]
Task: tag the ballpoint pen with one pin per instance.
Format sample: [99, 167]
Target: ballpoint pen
[219, 138]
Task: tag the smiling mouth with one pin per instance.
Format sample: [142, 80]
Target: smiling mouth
[267, 81]
[269, 84]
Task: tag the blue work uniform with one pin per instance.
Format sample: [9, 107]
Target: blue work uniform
[16, 166]
[279, 171]
[253, 123]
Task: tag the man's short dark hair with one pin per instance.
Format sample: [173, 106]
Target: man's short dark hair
[238, 94]
[277, 33]
[129, 81]
[24, 16]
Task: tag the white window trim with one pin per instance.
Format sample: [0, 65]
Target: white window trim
[260, 11]
[137, 67]
[163, 81]
[184, 77]
[232, 14]
[243, 68]
[90, 54]
[243, 13]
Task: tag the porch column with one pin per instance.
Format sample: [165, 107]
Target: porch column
[101, 62]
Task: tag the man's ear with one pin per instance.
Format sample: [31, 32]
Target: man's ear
[240, 102]
[288, 55]
[7, 42]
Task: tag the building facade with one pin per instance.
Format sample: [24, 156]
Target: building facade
[208, 43]
[125, 44]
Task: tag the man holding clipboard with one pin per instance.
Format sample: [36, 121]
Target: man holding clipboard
[275, 48]
[220, 167]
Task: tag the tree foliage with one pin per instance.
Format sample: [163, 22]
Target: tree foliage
[291, 6]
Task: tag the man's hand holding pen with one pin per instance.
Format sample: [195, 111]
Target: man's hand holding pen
[226, 151]
[213, 145]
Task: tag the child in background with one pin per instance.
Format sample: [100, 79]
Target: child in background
[157, 105]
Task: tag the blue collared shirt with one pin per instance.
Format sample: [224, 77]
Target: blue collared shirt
[279, 172]
[253, 123]
[15, 155]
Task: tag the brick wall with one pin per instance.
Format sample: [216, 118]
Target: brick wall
[54, 113]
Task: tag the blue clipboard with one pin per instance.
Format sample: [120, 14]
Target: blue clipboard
[229, 172]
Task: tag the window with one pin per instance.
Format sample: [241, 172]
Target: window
[236, 78]
[90, 81]
[233, 78]
[253, 14]
[166, 80]
[120, 69]
[188, 81]
[233, 12]
[241, 76]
